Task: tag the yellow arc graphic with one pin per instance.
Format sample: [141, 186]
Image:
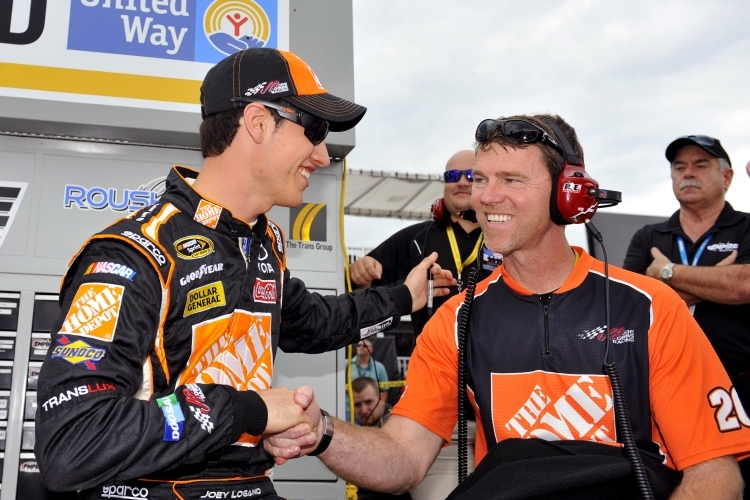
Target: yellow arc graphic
[304, 220]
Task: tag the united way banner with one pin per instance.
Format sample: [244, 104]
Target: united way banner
[149, 50]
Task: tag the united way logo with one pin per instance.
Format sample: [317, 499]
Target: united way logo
[232, 26]
[228, 26]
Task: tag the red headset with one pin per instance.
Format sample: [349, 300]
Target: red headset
[439, 211]
[575, 194]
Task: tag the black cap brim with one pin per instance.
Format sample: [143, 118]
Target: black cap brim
[681, 142]
[340, 114]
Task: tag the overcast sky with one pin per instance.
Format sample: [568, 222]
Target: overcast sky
[629, 76]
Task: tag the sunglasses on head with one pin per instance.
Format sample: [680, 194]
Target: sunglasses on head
[316, 129]
[703, 140]
[452, 176]
[517, 130]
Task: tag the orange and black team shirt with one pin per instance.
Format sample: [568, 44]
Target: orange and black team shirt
[535, 368]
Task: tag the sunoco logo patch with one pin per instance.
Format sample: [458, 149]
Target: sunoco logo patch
[204, 298]
[78, 352]
[94, 311]
[193, 247]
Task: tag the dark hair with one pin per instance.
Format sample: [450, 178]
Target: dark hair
[218, 130]
[359, 384]
[552, 159]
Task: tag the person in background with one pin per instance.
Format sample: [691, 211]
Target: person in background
[703, 252]
[364, 365]
[460, 247]
[370, 404]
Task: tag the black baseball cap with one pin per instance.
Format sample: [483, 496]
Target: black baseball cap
[271, 75]
[708, 144]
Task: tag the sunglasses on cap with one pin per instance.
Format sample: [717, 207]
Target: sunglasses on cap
[452, 176]
[316, 129]
[517, 130]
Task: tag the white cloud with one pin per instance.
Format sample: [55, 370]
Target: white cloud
[629, 76]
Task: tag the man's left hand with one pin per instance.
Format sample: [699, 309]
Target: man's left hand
[417, 281]
[660, 260]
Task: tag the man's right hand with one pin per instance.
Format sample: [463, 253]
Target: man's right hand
[365, 270]
[285, 411]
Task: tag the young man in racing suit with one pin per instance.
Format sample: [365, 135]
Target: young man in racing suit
[158, 384]
[535, 362]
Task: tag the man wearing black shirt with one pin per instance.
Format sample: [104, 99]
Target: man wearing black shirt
[458, 242]
[697, 251]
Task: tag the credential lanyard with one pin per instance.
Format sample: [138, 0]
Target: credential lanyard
[683, 253]
[457, 255]
[684, 257]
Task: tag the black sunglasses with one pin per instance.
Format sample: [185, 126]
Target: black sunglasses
[316, 129]
[452, 176]
[517, 130]
[703, 140]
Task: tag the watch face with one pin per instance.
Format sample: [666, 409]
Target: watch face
[666, 273]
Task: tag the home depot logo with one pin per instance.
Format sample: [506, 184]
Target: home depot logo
[94, 311]
[207, 214]
[553, 407]
[308, 222]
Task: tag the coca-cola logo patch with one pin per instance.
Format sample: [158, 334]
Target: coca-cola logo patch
[264, 291]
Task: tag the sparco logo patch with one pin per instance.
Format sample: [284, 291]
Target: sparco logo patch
[372, 330]
[207, 214]
[94, 311]
[123, 491]
[204, 298]
[78, 352]
[111, 268]
[202, 271]
[193, 247]
[277, 234]
[148, 245]
[264, 291]
[553, 407]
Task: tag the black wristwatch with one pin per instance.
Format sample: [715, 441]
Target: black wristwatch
[325, 441]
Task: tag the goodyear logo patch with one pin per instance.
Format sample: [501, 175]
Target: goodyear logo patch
[78, 352]
[207, 214]
[193, 247]
[205, 297]
[111, 268]
[94, 311]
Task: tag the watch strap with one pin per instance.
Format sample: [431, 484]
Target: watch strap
[325, 441]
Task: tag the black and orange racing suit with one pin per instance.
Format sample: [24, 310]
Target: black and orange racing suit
[171, 320]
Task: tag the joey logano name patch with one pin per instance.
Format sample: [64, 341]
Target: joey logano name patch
[94, 311]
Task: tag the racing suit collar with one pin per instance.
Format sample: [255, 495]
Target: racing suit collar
[580, 271]
[208, 212]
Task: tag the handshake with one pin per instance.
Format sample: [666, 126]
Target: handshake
[295, 426]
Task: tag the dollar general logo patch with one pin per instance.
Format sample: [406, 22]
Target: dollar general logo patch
[308, 222]
[94, 311]
[78, 352]
[207, 214]
[204, 298]
[193, 247]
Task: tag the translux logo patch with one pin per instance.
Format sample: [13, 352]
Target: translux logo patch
[94, 311]
[204, 298]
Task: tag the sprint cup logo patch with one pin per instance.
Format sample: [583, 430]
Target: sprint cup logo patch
[193, 247]
[94, 311]
[205, 297]
[207, 214]
[553, 407]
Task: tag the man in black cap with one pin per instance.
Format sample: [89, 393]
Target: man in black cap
[159, 383]
[697, 252]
